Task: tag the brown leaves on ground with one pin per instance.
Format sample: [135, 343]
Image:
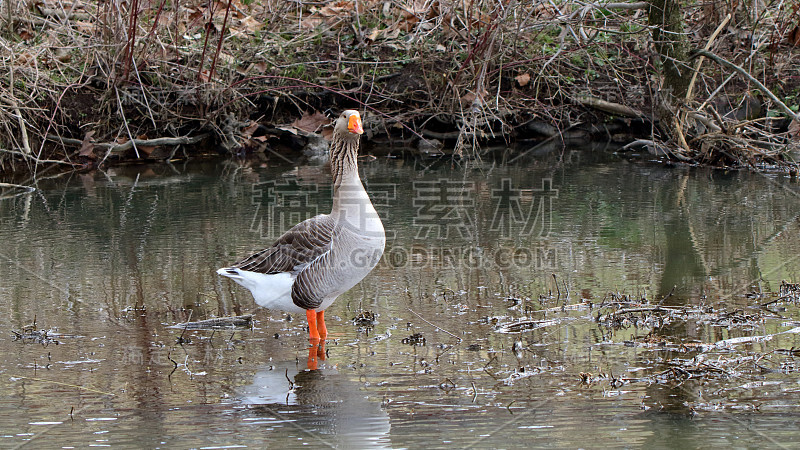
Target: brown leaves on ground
[198, 20]
[523, 79]
[248, 141]
[399, 16]
[330, 14]
[251, 24]
[247, 132]
[311, 122]
[87, 146]
[412, 12]
[25, 59]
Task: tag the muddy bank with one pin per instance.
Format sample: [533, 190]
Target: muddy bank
[295, 125]
[90, 85]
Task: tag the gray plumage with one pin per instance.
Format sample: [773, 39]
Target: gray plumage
[326, 255]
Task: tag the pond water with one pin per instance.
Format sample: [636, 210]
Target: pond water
[579, 300]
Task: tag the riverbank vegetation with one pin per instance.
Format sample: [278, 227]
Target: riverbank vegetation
[90, 83]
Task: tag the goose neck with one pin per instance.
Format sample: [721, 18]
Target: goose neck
[343, 156]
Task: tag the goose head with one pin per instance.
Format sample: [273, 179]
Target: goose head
[348, 125]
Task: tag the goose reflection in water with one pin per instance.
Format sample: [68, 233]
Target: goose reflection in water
[321, 406]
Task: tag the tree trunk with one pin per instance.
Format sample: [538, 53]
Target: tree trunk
[666, 18]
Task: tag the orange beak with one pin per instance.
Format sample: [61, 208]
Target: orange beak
[354, 124]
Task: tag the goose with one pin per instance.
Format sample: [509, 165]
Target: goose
[321, 258]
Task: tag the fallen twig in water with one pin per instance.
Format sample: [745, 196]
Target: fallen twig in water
[245, 321]
[526, 325]
[435, 326]
[64, 384]
[133, 143]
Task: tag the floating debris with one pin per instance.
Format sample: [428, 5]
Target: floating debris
[520, 373]
[526, 325]
[366, 319]
[414, 339]
[30, 333]
[37, 336]
[787, 288]
[217, 323]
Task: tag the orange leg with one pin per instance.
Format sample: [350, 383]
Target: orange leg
[313, 334]
[321, 351]
[321, 329]
[312, 357]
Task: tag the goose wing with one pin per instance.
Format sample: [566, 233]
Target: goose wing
[295, 249]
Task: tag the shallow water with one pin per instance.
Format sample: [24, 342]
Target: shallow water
[106, 262]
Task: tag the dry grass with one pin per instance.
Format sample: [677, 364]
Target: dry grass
[80, 73]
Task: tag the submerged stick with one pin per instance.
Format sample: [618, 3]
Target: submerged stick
[18, 186]
[435, 326]
[558, 291]
[217, 323]
[67, 384]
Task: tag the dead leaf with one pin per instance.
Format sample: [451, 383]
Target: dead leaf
[62, 54]
[411, 13]
[288, 130]
[312, 21]
[251, 24]
[197, 14]
[329, 14]
[373, 34]
[391, 36]
[337, 9]
[238, 7]
[474, 99]
[793, 36]
[26, 35]
[227, 58]
[247, 132]
[311, 122]
[259, 67]
[87, 146]
[146, 149]
[249, 139]
[83, 26]
[545, 11]
[794, 129]
[523, 79]
[25, 59]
